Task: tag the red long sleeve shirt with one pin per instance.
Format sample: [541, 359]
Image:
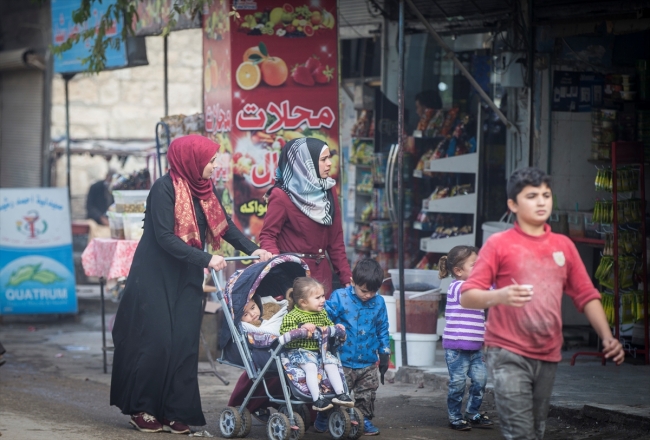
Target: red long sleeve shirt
[287, 229]
[550, 263]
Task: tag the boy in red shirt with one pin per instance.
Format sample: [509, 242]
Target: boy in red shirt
[530, 268]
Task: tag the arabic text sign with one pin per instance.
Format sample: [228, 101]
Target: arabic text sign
[270, 76]
[63, 27]
[36, 265]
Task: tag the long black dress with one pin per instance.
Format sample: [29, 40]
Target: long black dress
[157, 327]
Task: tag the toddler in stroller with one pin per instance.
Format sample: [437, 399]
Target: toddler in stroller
[307, 312]
[260, 352]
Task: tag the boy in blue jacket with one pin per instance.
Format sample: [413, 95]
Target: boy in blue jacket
[363, 314]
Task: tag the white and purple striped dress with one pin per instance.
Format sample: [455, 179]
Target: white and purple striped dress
[464, 328]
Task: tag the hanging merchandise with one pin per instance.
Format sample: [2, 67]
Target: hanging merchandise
[627, 179]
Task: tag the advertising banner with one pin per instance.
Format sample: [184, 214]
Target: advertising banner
[279, 83]
[36, 265]
[153, 16]
[63, 27]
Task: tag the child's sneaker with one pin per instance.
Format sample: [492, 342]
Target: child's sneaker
[479, 420]
[343, 400]
[460, 425]
[322, 404]
[369, 428]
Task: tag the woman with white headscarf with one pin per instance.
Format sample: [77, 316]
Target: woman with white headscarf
[303, 215]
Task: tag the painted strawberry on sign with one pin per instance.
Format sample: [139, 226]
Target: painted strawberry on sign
[312, 72]
[312, 63]
[301, 75]
[322, 74]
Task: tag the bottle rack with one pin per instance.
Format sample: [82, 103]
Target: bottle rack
[625, 153]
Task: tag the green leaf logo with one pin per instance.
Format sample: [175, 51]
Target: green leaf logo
[33, 272]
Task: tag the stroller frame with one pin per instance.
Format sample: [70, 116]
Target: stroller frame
[258, 376]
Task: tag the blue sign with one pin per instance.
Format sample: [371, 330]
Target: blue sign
[63, 26]
[36, 264]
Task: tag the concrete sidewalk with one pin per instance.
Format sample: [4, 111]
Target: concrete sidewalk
[607, 394]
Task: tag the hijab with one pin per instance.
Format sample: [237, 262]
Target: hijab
[299, 177]
[188, 157]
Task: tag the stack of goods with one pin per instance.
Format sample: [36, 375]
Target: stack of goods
[363, 152]
[435, 123]
[362, 239]
[602, 133]
[442, 192]
[643, 131]
[365, 185]
[125, 217]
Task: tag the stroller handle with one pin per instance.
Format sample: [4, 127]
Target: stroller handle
[213, 272]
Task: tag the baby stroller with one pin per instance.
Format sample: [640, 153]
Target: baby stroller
[261, 358]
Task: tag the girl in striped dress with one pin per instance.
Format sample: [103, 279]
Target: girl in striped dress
[463, 343]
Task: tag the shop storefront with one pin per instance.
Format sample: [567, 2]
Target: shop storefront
[582, 87]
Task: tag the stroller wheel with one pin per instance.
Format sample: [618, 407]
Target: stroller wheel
[356, 419]
[246, 422]
[230, 422]
[278, 427]
[339, 424]
[301, 410]
[296, 434]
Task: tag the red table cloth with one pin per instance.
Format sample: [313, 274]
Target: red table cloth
[108, 258]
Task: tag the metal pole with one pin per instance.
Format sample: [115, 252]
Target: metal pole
[450, 54]
[531, 81]
[165, 86]
[400, 181]
[66, 80]
[102, 282]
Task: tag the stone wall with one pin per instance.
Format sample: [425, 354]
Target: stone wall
[127, 103]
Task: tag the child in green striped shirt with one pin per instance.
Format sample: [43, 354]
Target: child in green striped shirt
[307, 310]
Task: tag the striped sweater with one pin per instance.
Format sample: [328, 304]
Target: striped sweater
[464, 328]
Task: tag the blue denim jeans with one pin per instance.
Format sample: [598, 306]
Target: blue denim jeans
[463, 364]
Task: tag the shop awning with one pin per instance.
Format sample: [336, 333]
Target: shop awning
[469, 16]
[106, 147]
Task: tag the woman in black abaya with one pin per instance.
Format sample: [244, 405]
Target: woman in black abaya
[156, 331]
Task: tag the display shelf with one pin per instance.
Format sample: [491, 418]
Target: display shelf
[442, 245]
[465, 204]
[365, 139]
[626, 153]
[465, 163]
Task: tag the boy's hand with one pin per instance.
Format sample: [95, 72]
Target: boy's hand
[516, 295]
[311, 328]
[612, 349]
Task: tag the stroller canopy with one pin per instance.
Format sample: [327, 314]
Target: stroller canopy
[271, 278]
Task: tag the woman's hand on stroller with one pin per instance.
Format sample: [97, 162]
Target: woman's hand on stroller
[263, 254]
[217, 262]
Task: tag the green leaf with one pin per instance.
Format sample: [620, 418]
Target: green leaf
[262, 47]
[255, 58]
[46, 277]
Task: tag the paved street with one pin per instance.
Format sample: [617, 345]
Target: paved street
[53, 387]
